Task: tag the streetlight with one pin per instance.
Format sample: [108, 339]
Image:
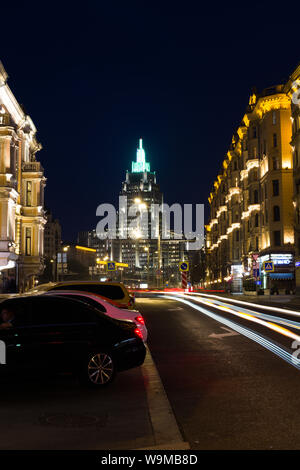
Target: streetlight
[146, 248]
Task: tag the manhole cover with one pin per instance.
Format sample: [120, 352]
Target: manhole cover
[70, 420]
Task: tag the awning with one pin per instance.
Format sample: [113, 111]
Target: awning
[283, 276]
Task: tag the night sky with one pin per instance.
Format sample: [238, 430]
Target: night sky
[96, 78]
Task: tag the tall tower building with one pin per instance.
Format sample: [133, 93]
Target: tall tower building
[137, 248]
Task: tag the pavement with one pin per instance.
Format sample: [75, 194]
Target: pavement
[56, 413]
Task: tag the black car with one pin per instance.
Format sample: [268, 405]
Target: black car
[68, 335]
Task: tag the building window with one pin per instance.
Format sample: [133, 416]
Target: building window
[275, 164]
[267, 217]
[237, 236]
[28, 241]
[274, 140]
[255, 196]
[274, 117]
[256, 244]
[254, 132]
[276, 213]
[235, 165]
[277, 238]
[275, 187]
[28, 193]
[256, 220]
[265, 147]
[266, 191]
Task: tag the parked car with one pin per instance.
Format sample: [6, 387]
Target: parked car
[60, 333]
[106, 307]
[115, 291]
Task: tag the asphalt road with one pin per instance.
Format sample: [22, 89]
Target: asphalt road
[226, 390]
[204, 385]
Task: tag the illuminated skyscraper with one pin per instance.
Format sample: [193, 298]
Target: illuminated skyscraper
[142, 190]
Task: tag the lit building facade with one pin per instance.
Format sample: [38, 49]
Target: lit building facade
[22, 184]
[292, 88]
[251, 208]
[154, 260]
[142, 190]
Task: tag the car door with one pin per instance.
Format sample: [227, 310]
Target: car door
[17, 338]
[66, 330]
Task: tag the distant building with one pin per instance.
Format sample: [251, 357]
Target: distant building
[52, 237]
[74, 262]
[142, 190]
[150, 259]
[22, 185]
[52, 245]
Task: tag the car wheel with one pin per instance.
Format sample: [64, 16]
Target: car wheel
[99, 370]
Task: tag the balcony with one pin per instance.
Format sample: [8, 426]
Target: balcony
[32, 167]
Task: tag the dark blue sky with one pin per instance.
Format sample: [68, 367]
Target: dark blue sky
[95, 78]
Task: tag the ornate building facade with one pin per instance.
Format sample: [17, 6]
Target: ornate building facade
[22, 184]
[292, 88]
[251, 204]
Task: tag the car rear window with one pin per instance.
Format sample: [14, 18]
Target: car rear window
[111, 292]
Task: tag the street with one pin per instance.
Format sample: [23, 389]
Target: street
[207, 387]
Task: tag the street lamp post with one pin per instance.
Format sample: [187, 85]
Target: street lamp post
[148, 263]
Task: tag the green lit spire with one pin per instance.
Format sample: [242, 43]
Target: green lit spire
[140, 165]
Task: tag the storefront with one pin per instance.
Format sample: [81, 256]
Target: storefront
[282, 279]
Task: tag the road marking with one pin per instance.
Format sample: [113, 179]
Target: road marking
[281, 352]
[222, 335]
[174, 309]
[165, 429]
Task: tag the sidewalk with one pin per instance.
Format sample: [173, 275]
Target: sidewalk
[56, 413]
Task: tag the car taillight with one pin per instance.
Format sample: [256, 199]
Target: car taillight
[138, 333]
[140, 319]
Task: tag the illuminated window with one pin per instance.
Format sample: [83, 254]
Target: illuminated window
[28, 193]
[28, 241]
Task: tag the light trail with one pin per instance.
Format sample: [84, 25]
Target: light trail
[243, 302]
[282, 321]
[271, 346]
[250, 316]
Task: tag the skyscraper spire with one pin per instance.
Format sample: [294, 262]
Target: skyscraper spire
[140, 165]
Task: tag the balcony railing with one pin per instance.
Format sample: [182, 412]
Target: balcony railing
[32, 167]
